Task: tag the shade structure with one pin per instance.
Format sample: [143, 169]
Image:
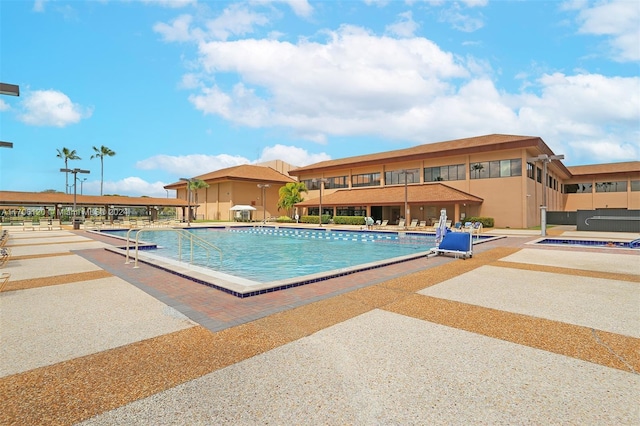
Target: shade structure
[241, 207]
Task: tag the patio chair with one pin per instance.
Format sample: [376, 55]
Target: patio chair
[401, 223]
[422, 224]
[382, 224]
[4, 279]
[458, 227]
[414, 223]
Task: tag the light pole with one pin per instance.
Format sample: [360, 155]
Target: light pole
[75, 177]
[545, 159]
[11, 90]
[406, 198]
[188, 199]
[81, 182]
[264, 187]
[322, 181]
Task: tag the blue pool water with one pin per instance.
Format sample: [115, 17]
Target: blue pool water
[270, 254]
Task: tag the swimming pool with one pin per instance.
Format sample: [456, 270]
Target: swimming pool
[288, 255]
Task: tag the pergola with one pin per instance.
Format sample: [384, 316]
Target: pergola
[52, 204]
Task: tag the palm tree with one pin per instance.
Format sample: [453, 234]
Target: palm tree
[194, 185]
[290, 194]
[67, 155]
[100, 153]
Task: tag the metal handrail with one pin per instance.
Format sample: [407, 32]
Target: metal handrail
[181, 234]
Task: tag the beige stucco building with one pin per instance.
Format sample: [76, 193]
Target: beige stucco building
[497, 176]
[237, 186]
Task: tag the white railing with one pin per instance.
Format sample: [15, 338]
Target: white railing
[193, 240]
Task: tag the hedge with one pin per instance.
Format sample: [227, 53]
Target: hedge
[487, 222]
[349, 220]
[314, 219]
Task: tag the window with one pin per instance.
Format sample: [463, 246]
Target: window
[578, 188]
[336, 182]
[351, 211]
[539, 175]
[496, 169]
[635, 185]
[611, 186]
[366, 179]
[396, 177]
[454, 172]
[531, 171]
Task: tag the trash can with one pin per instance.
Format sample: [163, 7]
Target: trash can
[76, 223]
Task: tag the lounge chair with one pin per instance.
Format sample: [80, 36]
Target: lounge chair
[4, 279]
[422, 224]
[44, 225]
[414, 223]
[5, 255]
[383, 224]
[401, 223]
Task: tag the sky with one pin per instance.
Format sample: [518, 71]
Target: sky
[182, 88]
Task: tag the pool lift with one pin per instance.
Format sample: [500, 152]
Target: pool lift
[193, 240]
[460, 244]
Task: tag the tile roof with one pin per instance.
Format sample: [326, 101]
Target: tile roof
[243, 172]
[447, 148]
[15, 198]
[428, 193]
[597, 169]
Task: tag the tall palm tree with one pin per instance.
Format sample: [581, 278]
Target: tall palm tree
[290, 194]
[194, 185]
[67, 155]
[101, 153]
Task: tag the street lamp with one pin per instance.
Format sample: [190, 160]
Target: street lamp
[75, 177]
[188, 199]
[264, 187]
[322, 181]
[545, 159]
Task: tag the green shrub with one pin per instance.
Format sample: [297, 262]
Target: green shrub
[284, 219]
[314, 219]
[487, 222]
[349, 220]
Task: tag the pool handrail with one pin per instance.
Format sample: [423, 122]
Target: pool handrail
[181, 234]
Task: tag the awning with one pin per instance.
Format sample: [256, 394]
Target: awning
[240, 207]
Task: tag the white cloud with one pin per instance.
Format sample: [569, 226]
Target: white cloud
[235, 20]
[341, 87]
[461, 21]
[191, 165]
[292, 155]
[301, 8]
[618, 19]
[130, 186]
[178, 30]
[38, 5]
[405, 26]
[52, 108]
[4, 106]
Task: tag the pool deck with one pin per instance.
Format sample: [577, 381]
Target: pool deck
[521, 333]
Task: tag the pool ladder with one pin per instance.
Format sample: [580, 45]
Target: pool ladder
[193, 240]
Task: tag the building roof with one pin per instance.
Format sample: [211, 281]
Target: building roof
[428, 193]
[244, 172]
[437, 149]
[607, 168]
[15, 198]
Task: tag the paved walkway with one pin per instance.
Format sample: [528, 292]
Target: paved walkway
[520, 333]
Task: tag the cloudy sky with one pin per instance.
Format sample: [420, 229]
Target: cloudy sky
[181, 88]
